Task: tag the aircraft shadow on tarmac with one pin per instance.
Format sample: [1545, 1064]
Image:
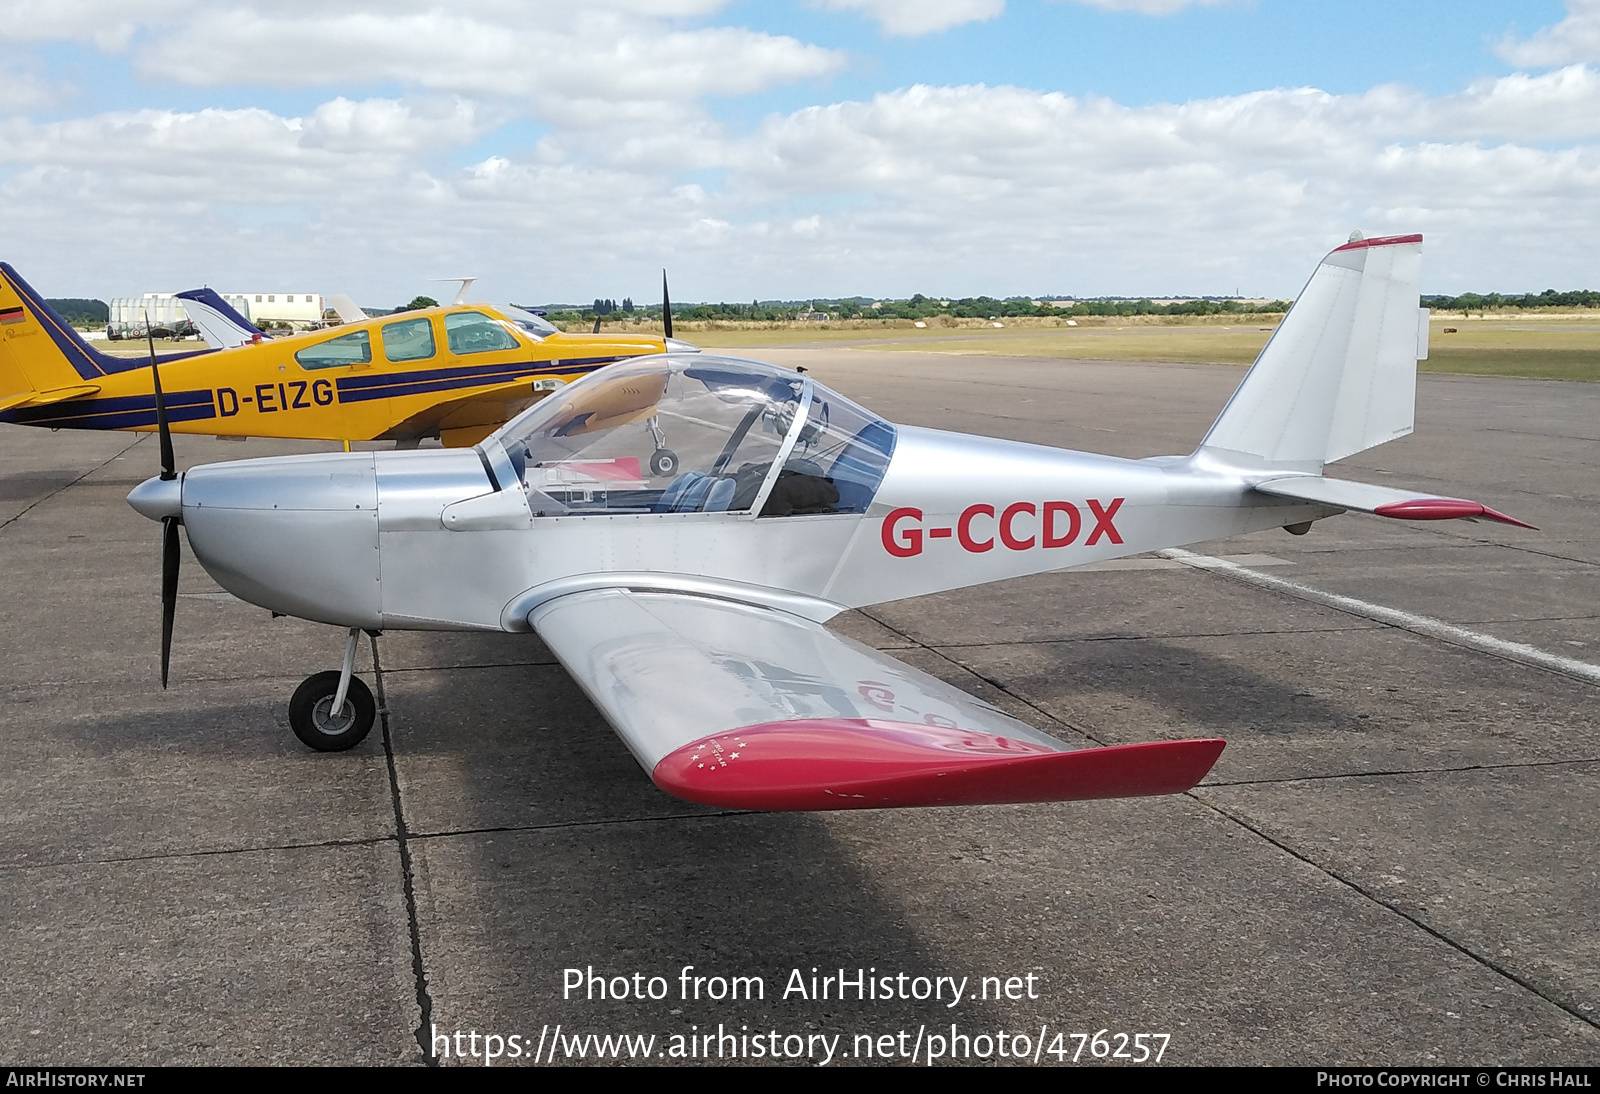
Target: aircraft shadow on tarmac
[540, 846]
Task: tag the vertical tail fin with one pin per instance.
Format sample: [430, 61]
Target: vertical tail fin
[39, 350]
[1340, 373]
[220, 324]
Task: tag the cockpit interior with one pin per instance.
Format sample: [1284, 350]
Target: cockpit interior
[698, 434]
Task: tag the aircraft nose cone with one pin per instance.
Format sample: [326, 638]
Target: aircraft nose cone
[157, 498]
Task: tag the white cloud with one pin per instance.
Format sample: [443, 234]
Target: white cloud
[22, 91]
[936, 189]
[589, 58]
[1148, 7]
[1575, 38]
[941, 189]
[632, 54]
[107, 23]
[911, 18]
[982, 184]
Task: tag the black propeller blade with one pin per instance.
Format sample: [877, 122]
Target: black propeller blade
[169, 590]
[596, 325]
[666, 305]
[169, 525]
[168, 463]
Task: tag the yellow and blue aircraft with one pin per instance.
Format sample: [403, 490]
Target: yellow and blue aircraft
[456, 372]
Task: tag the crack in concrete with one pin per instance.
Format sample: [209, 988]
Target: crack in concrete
[113, 860]
[1128, 637]
[1192, 795]
[31, 506]
[1571, 1009]
[371, 841]
[1399, 771]
[419, 970]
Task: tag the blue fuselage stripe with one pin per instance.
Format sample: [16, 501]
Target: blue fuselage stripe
[121, 412]
[133, 411]
[356, 389]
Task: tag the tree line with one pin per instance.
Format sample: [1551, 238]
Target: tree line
[1470, 302]
[920, 307]
[87, 312]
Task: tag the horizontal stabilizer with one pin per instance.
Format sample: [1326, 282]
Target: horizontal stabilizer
[1384, 501]
[839, 763]
[45, 398]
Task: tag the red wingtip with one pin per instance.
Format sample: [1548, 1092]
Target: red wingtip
[1491, 514]
[1379, 241]
[1445, 509]
[850, 763]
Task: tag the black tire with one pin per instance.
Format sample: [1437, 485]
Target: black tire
[309, 713]
[663, 463]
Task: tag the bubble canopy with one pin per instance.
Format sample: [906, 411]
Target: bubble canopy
[698, 434]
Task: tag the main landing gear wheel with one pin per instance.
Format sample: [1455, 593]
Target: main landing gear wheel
[318, 725]
[663, 463]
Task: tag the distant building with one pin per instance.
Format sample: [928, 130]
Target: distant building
[297, 309]
[127, 320]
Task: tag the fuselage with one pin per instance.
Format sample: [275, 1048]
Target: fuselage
[464, 539]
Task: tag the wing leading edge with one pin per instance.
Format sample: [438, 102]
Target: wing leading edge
[750, 708]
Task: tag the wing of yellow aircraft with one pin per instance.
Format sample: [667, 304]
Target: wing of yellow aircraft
[469, 419]
[455, 372]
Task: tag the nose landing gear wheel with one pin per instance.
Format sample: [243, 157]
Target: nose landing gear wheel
[318, 725]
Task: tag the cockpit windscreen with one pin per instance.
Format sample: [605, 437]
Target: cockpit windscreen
[702, 434]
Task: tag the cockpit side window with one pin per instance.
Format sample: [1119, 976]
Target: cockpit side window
[533, 322]
[408, 340]
[473, 332]
[656, 436]
[838, 461]
[354, 348]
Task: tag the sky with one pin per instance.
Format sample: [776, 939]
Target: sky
[793, 148]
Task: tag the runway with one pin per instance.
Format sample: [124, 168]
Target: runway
[1392, 863]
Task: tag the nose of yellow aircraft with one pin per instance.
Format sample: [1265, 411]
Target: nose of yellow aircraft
[158, 498]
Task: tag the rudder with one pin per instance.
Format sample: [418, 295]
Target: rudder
[1340, 373]
[39, 350]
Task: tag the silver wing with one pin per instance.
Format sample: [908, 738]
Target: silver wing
[748, 707]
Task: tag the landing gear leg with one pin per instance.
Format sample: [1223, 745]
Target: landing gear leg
[333, 711]
[663, 461]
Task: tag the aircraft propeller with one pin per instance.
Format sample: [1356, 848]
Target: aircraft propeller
[170, 553]
[666, 306]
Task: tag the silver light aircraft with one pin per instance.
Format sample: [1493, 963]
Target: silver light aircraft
[687, 597]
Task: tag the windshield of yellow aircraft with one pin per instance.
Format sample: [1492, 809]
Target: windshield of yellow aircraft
[662, 435]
